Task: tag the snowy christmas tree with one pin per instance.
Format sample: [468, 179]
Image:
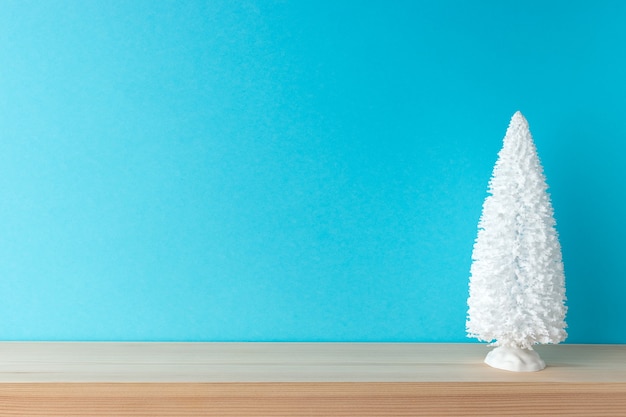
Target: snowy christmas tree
[517, 285]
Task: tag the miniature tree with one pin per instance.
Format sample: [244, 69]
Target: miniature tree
[517, 284]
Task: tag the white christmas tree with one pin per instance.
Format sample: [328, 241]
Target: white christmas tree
[517, 284]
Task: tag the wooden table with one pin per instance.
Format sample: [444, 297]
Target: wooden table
[303, 379]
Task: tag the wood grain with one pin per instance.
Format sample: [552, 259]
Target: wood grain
[240, 379]
[313, 399]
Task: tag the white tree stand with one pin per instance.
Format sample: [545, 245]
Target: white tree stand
[515, 359]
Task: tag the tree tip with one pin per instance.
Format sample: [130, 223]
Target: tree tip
[518, 114]
[518, 118]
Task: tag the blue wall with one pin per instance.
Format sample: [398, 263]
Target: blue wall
[295, 170]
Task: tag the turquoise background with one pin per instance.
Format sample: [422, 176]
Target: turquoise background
[295, 170]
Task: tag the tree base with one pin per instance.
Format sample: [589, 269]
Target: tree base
[515, 359]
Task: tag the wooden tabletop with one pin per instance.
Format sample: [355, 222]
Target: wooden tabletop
[296, 362]
[304, 379]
